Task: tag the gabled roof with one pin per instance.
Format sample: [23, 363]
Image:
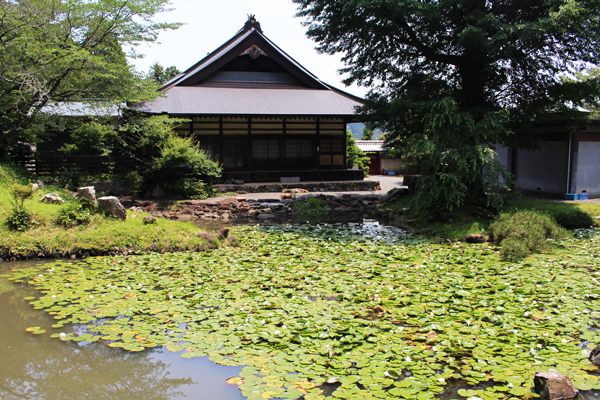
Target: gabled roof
[219, 84]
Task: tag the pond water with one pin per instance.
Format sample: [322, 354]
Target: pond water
[38, 367]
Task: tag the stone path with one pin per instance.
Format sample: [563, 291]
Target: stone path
[386, 183]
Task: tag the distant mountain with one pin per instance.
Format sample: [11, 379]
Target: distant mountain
[357, 130]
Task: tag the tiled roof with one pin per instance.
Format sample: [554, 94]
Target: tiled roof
[370, 146]
[236, 101]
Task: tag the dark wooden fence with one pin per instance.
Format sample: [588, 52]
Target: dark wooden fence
[53, 164]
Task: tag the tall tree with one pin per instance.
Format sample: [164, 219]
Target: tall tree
[69, 50]
[160, 74]
[483, 55]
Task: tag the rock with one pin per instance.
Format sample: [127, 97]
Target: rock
[554, 386]
[52, 198]
[241, 199]
[476, 238]
[40, 184]
[87, 192]
[112, 206]
[184, 217]
[253, 213]
[294, 191]
[35, 188]
[151, 207]
[397, 193]
[595, 356]
[149, 220]
[209, 237]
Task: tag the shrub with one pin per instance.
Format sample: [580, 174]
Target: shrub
[190, 188]
[181, 168]
[21, 193]
[574, 219]
[312, 206]
[19, 219]
[523, 233]
[76, 213]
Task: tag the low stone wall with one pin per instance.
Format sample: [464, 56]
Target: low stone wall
[352, 186]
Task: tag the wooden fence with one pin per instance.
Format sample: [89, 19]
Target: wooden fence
[53, 164]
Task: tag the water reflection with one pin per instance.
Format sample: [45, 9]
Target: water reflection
[38, 367]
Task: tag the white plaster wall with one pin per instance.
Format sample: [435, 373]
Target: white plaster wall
[502, 155]
[588, 169]
[393, 164]
[545, 168]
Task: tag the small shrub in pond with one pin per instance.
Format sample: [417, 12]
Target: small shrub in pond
[574, 219]
[523, 233]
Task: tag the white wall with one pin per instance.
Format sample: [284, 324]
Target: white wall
[544, 169]
[588, 169]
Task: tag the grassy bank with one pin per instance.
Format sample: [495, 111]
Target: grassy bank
[470, 219]
[45, 238]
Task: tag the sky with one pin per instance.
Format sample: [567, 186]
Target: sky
[210, 23]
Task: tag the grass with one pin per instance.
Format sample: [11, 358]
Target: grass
[101, 236]
[469, 219]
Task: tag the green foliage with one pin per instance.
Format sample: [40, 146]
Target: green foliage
[190, 188]
[367, 134]
[523, 233]
[142, 132]
[19, 218]
[159, 74]
[354, 155]
[183, 168]
[20, 193]
[455, 158]
[56, 50]
[575, 219]
[91, 138]
[76, 213]
[310, 206]
[485, 58]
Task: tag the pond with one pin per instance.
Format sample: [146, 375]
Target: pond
[353, 311]
[39, 367]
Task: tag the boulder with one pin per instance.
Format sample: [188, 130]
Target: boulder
[111, 205]
[87, 192]
[294, 191]
[595, 356]
[554, 386]
[40, 184]
[52, 198]
[35, 188]
[476, 238]
[149, 220]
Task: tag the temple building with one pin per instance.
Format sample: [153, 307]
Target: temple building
[260, 113]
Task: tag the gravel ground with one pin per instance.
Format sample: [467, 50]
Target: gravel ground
[386, 182]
